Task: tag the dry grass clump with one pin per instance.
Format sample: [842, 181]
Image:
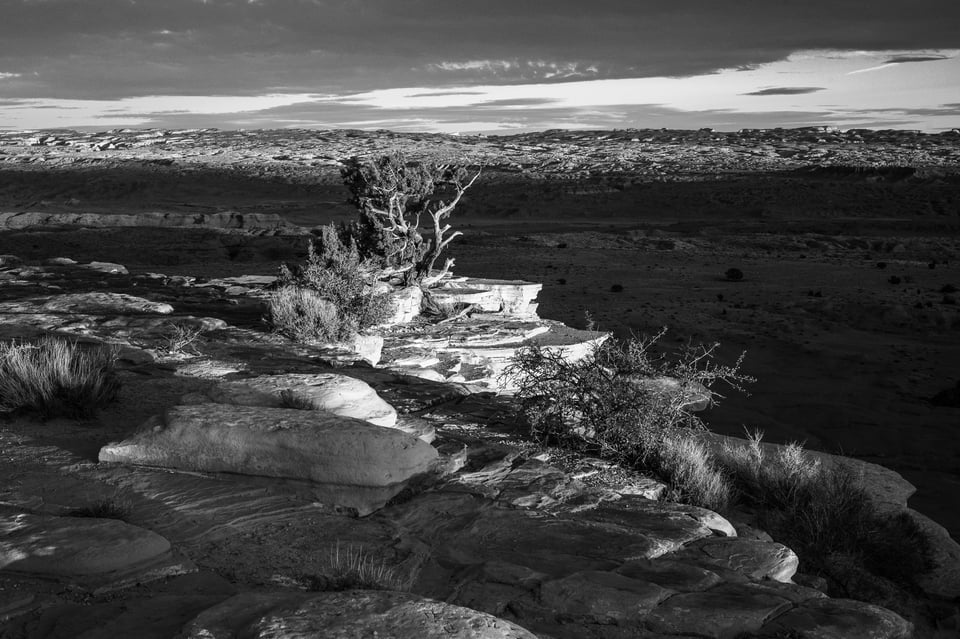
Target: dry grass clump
[55, 377]
[352, 568]
[290, 399]
[107, 508]
[304, 315]
[825, 514]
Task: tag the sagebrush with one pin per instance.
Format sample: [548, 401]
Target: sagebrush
[331, 296]
[56, 377]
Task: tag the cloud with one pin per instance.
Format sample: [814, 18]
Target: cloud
[786, 91]
[110, 49]
[902, 59]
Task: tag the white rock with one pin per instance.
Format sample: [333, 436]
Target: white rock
[275, 442]
[332, 392]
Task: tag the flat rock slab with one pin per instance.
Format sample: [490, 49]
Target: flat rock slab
[602, 597]
[720, 613]
[92, 554]
[74, 546]
[99, 302]
[753, 558]
[346, 615]
[839, 619]
[338, 394]
[275, 442]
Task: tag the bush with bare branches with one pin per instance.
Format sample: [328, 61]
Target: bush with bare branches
[392, 195]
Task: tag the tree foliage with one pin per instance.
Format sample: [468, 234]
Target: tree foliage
[393, 196]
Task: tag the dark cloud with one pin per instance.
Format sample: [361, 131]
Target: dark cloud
[114, 48]
[440, 94]
[786, 91]
[902, 59]
[515, 102]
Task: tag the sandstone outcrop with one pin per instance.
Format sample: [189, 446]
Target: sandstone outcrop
[514, 542]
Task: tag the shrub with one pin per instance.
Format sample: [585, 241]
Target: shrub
[353, 569]
[627, 404]
[825, 515]
[733, 274]
[331, 296]
[57, 378]
[392, 195]
[304, 315]
[181, 338]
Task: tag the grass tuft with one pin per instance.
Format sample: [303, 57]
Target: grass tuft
[110, 508]
[290, 399]
[352, 568]
[55, 377]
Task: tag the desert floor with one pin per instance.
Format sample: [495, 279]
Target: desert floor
[841, 310]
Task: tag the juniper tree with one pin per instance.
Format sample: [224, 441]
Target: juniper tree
[392, 196]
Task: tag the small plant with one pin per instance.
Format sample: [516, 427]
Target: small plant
[304, 315]
[331, 296]
[893, 279]
[290, 399]
[109, 508]
[624, 402]
[181, 338]
[825, 515]
[351, 568]
[616, 288]
[55, 377]
[442, 312]
[733, 274]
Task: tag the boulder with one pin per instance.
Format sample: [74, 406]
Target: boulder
[332, 392]
[275, 442]
[346, 615]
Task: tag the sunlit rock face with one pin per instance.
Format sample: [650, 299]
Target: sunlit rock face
[362, 465]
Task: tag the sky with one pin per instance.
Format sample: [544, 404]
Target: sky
[490, 66]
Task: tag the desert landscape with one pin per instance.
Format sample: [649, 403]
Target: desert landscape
[832, 258]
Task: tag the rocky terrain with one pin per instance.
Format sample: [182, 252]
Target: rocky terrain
[848, 246]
